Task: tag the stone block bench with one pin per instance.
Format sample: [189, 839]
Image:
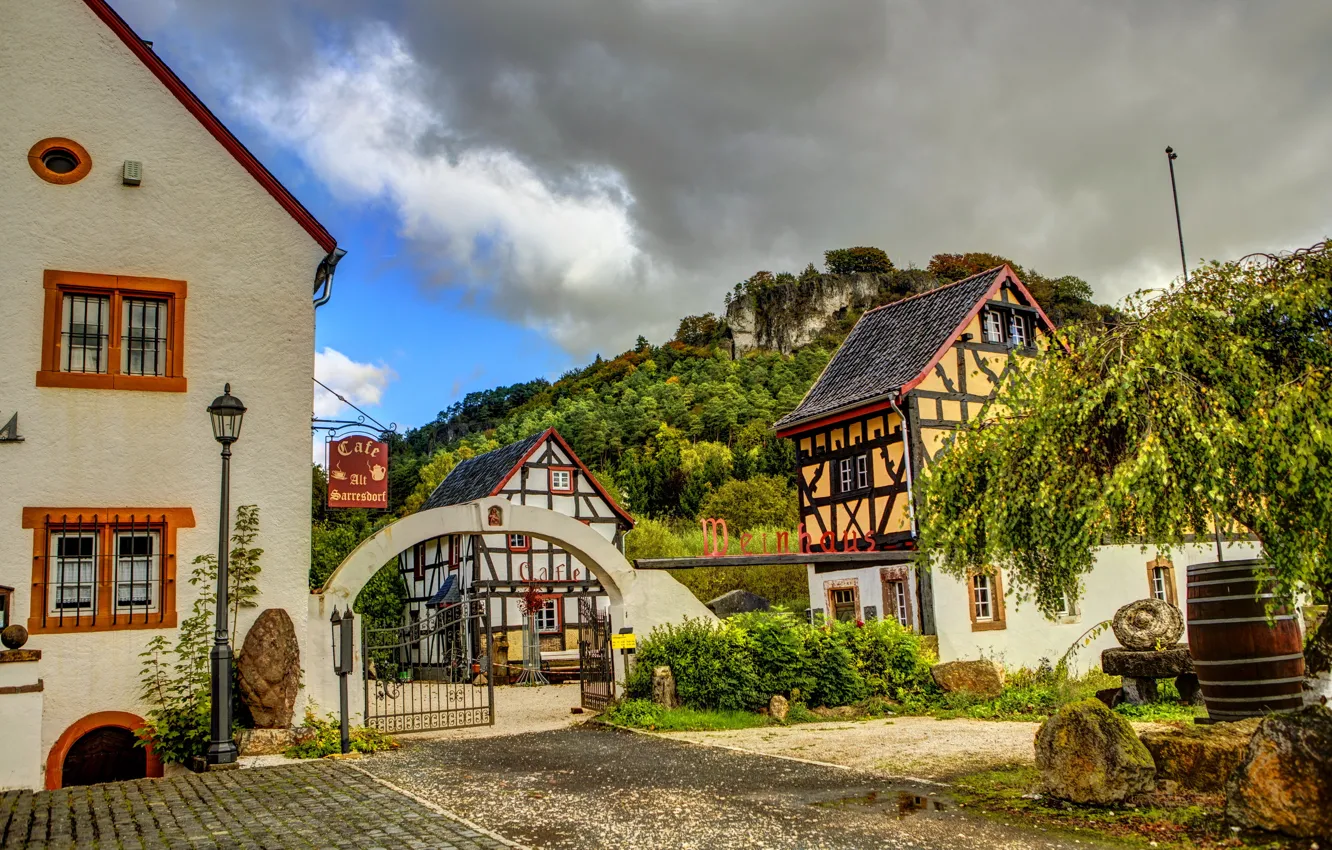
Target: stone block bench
[1140, 668]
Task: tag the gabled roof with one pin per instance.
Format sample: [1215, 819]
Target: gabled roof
[892, 347]
[485, 475]
[211, 123]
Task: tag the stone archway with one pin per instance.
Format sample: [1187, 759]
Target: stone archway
[121, 723]
[641, 600]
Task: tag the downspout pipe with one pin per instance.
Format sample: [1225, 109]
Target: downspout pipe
[323, 278]
[906, 454]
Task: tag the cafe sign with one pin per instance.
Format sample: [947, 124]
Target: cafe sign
[357, 473]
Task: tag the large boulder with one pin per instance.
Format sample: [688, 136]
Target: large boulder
[984, 677]
[1284, 783]
[1199, 757]
[1088, 754]
[737, 602]
[1148, 624]
[269, 669]
[1175, 660]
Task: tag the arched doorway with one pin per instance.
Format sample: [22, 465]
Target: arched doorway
[639, 600]
[100, 748]
[106, 754]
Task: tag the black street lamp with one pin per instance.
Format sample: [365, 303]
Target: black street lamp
[226, 412]
[342, 664]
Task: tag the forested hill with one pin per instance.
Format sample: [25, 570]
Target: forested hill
[665, 425]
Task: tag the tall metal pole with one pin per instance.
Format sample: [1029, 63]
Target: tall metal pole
[1179, 228]
[1171, 156]
[222, 749]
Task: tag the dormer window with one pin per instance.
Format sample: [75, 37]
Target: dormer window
[992, 327]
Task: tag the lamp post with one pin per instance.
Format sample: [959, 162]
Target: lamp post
[342, 664]
[226, 411]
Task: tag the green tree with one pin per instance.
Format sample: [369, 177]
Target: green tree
[857, 260]
[1213, 400]
[762, 500]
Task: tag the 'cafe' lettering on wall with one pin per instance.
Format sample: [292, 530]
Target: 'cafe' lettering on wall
[357, 473]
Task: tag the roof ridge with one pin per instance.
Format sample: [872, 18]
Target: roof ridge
[932, 291]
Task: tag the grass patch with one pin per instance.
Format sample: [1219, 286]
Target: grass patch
[1181, 819]
[644, 714]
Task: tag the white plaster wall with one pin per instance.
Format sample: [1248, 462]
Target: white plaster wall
[870, 585]
[200, 217]
[21, 720]
[1118, 578]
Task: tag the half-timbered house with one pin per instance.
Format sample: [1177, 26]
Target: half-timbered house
[497, 569]
[907, 377]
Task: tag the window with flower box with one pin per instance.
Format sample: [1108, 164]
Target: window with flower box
[113, 332]
[96, 569]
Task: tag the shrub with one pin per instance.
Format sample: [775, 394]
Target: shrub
[711, 662]
[777, 642]
[327, 739]
[831, 667]
[892, 660]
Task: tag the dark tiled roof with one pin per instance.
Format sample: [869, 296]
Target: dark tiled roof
[889, 346]
[476, 478]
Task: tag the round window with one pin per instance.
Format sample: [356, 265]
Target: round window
[59, 160]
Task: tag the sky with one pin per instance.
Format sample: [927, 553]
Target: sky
[522, 184]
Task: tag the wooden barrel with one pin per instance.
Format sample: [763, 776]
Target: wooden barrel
[1247, 664]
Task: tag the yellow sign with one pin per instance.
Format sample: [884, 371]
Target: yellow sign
[629, 641]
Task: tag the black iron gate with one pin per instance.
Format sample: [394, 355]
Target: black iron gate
[595, 661]
[430, 674]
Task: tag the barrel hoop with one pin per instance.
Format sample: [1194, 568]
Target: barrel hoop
[1222, 716]
[1222, 581]
[1269, 698]
[1247, 597]
[1265, 659]
[1248, 682]
[1222, 620]
[1229, 568]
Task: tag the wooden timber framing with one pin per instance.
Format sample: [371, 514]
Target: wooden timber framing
[841, 558]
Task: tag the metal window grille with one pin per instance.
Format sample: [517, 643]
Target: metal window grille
[73, 571]
[138, 570]
[980, 589]
[144, 344]
[862, 471]
[993, 327]
[548, 616]
[84, 338]
[101, 571]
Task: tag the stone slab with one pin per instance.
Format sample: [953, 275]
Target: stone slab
[1147, 663]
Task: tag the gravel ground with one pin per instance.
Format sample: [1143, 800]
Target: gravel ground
[595, 787]
[903, 746]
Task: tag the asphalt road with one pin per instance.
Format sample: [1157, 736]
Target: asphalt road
[594, 787]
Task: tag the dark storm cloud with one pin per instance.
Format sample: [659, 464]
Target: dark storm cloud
[757, 135]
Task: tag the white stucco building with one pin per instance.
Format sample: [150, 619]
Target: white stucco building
[149, 259]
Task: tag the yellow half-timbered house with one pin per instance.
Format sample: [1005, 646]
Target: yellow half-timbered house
[907, 376]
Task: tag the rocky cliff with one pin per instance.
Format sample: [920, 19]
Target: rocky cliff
[790, 315]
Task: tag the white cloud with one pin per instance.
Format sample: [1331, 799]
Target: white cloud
[485, 218]
[361, 383]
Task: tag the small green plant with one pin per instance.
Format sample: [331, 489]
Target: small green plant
[327, 739]
[644, 714]
[175, 680]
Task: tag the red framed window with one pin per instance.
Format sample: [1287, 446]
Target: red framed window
[519, 543]
[455, 551]
[561, 479]
[418, 562]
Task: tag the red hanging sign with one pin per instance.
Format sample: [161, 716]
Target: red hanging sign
[357, 473]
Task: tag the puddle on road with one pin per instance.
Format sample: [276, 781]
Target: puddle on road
[903, 803]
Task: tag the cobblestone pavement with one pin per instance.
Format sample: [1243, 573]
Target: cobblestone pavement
[591, 787]
[320, 804]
